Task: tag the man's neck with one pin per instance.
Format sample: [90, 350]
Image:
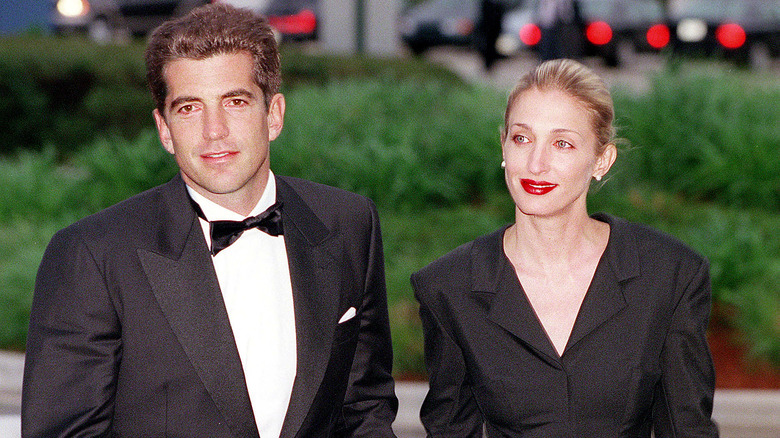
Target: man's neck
[223, 207]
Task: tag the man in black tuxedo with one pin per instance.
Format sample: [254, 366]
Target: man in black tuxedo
[228, 302]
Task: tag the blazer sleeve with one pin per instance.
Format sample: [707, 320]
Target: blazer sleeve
[370, 404]
[73, 346]
[683, 406]
[449, 409]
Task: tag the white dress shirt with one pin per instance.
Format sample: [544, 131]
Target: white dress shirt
[254, 277]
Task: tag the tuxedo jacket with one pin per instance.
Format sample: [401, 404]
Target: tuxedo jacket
[129, 335]
[636, 360]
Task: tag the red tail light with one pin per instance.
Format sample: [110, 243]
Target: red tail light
[658, 36]
[599, 33]
[301, 23]
[530, 34]
[730, 35]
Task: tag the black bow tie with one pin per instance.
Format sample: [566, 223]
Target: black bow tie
[224, 233]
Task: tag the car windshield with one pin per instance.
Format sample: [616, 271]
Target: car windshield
[612, 10]
[718, 10]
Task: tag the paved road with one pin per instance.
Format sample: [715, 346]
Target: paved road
[634, 76]
[506, 72]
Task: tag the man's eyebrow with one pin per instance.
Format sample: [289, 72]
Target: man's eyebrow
[240, 92]
[181, 99]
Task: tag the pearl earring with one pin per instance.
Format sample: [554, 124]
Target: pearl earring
[598, 177]
[503, 164]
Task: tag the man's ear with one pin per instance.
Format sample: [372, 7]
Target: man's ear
[605, 161]
[163, 132]
[275, 116]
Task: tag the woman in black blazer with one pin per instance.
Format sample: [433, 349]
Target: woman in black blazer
[564, 324]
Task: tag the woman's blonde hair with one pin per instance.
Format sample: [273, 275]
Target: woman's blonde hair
[578, 81]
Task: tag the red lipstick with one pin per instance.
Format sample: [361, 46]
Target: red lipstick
[537, 187]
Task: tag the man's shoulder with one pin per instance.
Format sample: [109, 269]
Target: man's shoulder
[310, 189]
[142, 209]
[325, 201]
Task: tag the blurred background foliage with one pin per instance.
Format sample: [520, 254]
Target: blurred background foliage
[700, 162]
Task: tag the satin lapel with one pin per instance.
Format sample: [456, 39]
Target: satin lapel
[605, 299]
[491, 272]
[315, 283]
[184, 282]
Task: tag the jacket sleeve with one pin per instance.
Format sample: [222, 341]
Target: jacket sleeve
[449, 409]
[73, 346]
[370, 404]
[683, 406]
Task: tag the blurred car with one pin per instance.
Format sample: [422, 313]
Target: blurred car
[294, 19]
[291, 19]
[746, 31]
[105, 20]
[435, 23]
[614, 30]
[252, 5]
[439, 23]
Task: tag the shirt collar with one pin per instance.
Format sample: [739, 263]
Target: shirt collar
[216, 212]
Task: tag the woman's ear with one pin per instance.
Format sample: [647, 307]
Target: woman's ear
[605, 161]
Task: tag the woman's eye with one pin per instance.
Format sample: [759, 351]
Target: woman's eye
[563, 144]
[521, 139]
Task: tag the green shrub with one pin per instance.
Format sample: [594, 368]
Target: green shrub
[707, 137]
[69, 91]
[386, 140]
[701, 166]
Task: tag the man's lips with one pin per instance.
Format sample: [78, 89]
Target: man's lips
[537, 187]
[218, 155]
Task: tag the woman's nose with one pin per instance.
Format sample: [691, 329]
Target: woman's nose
[539, 159]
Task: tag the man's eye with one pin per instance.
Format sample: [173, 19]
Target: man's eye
[237, 102]
[185, 109]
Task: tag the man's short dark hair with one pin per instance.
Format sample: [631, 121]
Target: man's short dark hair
[212, 30]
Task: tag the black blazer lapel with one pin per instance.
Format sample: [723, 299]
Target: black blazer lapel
[315, 284]
[605, 299]
[185, 285]
[510, 309]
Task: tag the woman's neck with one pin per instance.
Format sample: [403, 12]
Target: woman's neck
[546, 244]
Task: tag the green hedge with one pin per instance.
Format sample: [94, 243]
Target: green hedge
[65, 92]
[425, 147]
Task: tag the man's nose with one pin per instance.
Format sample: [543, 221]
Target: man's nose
[215, 125]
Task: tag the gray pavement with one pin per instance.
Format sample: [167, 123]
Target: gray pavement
[739, 413]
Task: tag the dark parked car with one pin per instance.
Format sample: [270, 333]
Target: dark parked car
[746, 31]
[613, 30]
[442, 23]
[105, 20]
[438, 23]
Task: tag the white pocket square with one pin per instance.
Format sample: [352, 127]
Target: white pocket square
[349, 314]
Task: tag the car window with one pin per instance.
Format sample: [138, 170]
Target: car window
[712, 10]
[620, 10]
[705, 9]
